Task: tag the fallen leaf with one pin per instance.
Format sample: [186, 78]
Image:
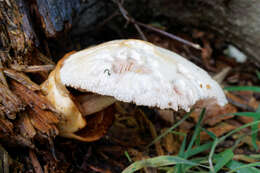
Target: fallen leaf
[171, 143]
[214, 113]
[218, 130]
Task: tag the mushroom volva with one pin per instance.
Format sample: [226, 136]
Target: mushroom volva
[130, 71]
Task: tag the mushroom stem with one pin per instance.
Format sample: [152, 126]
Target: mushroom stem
[92, 103]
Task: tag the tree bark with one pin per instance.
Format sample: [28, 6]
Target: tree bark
[237, 21]
[26, 25]
[25, 113]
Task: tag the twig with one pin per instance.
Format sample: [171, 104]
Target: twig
[140, 32]
[126, 15]
[44, 58]
[21, 78]
[32, 69]
[219, 77]
[108, 19]
[174, 37]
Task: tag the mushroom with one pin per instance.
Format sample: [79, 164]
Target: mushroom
[129, 71]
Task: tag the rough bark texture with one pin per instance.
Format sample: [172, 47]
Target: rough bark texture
[25, 26]
[24, 113]
[17, 36]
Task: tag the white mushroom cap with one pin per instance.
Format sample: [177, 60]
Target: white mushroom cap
[130, 71]
[140, 72]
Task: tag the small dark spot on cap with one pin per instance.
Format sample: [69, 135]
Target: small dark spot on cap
[200, 85]
[170, 104]
[208, 86]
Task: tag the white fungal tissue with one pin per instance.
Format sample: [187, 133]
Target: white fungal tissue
[140, 72]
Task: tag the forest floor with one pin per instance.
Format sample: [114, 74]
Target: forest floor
[139, 133]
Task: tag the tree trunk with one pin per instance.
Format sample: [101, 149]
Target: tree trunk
[237, 21]
[24, 113]
[26, 25]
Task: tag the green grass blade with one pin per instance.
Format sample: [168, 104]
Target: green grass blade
[211, 154]
[157, 162]
[223, 158]
[258, 74]
[255, 156]
[237, 129]
[247, 114]
[198, 149]
[254, 128]
[254, 135]
[183, 145]
[255, 115]
[212, 135]
[197, 131]
[243, 88]
[128, 157]
[239, 167]
[178, 167]
[169, 130]
[217, 141]
[198, 160]
[243, 136]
